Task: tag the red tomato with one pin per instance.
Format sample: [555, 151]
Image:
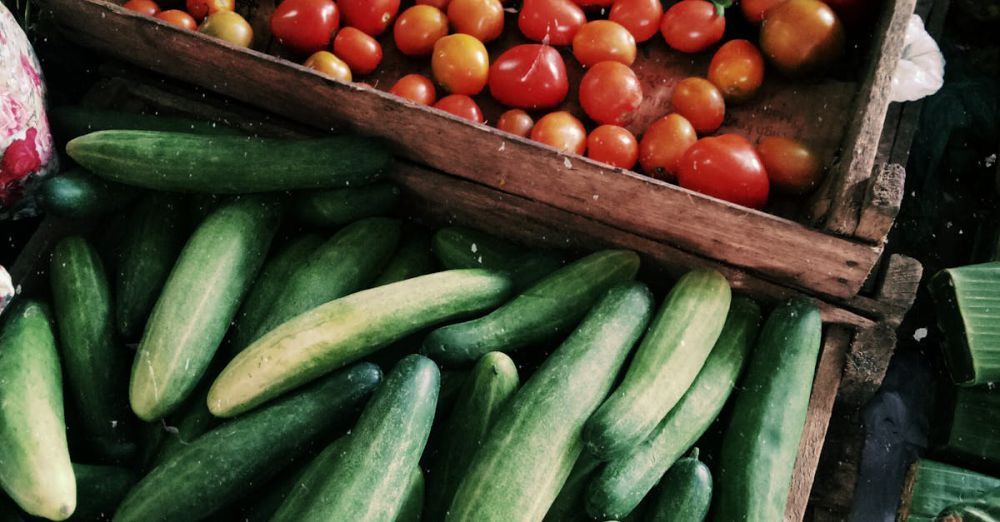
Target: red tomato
[199, 9]
[178, 18]
[146, 7]
[603, 40]
[416, 88]
[418, 29]
[462, 106]
[460, 64]
[692, 26]
[640, 17]
[726, 167]
[516, 122]
[593, 3]
[754, 10]
[555, 20]
[529, 76]
[610, 93]
[482, 19]
[305, 26]
[700, 103]
[737, 69]
[328, 64]
[440, 4]
[664, 144]
[562, 131]
[371, 16]
[361, 52]
[228, 26]
[801, 36]
[613, 145]
[791, 165]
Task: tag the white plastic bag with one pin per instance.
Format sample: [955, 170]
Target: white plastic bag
[920, 71]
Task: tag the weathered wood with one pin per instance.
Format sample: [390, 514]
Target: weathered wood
[883, 197]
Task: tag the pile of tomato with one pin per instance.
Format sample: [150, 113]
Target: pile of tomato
[341, 38]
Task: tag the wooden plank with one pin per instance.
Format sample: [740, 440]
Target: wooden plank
[881, 204]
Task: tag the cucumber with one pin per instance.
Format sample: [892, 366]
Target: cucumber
[491, 383]
[541, 313]
[183, 162]
[460, 247]
[665, 365]
[218, 467]
[333, 208]
[192, 421]
[35, 469]
[347, 329]
[529, 452]
[530, 268]
[685, 493]
[569, 506]
[369, 479]
[413, 505]
[761, 443]
[625, 481]
[305, 486]
[78, 194]
[199, 300]
[412, 259]
[72, 121]
[100, 489]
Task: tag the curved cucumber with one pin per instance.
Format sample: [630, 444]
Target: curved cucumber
[569, 505]
[543, 312]
[665, 365]
[79, 194]
[331, 208]
[685, 493]
[347, 329]
[625, 481]
[460, 247]
[100, 489]
[73, 121]
[413, 505]
[533, 445]
[413, 258]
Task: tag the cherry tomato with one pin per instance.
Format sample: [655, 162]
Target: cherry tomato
[482, 19]
[603, 40]
[664, 144]
[360, 52]
[418, 29]
[692, 26]
[529, 76]
[146, 7]
[561, 130]
[555, 20]
[700, 103]
[460, 64]
[462, 106]
[594, 3]
[726, 167]
[416, 88]
[305, 26]
[440, 4]
[328, 64]
[516, 122]
[640, 17]
[737, 69]
[754, 10]
[613, 145]
[801, 36]
[178, 18]
[228, 26]
[200, 9]
[371, 16]
[610, 93]
[791, 165]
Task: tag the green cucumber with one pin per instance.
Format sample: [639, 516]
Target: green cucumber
[541, 313]
[625, 481]
[533, 445]
[530, 268]
[761, 443]
[217, 468]
[192, 421]
[35, 469]
[348, 329]
[412, 259]
[78, 194]
[182, 162]
[412, 509]
[486, 390]
[569, 506]
[199, 300]
[665, 365]
[100, 489]
[685, 493]
[333, 208]
[306, 484]
[72, 121]
[460, 247]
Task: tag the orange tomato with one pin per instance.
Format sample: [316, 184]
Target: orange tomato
[640, 17]
[700, 103]
[801, 36]
[200, 9]
[737, 69]
[418, 29]
[440, 4]
[791, 166]
[460, 64]
[517, 122]
[228, 26]
[178, 18]
[462, 106]
[603, 40]
[416, 88]
[610, 93]
[482, 19]
[328, 64]
[664, 144]
[358, 50]
[613, 145]
[562, 131]
[754, 10]
[146, 7]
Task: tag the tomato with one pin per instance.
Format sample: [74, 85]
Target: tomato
[561, 130]
[178, 18]
[726, 167]
[200, 9]
[640, 17]
[305, 26]
[737, 69]
[328, 64]
[754, 10]
[613, 145]
[440, 4]
[692, 26]
[462, 106]
[360, 52]
[700, 103]
[855, 14]
[801, 36]
[529, 76]
[416, 88]
[482, 19]
[228, 26]
[554, 20]
[610, 93]
[791, 165]
[460, 64]
[593, 3]
[146, 7]
[603, 40]
[418, 29]
[664, 144]
[371, 16]
[516, 122]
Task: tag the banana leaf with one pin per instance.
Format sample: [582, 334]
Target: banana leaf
[973, 432]
[932, 486]
[968, 304]
[985, 508]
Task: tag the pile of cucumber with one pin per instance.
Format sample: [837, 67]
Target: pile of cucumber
[232, 351]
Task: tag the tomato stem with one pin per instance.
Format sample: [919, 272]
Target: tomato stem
[721, 6]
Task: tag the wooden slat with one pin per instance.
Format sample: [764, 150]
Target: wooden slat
[881, 204]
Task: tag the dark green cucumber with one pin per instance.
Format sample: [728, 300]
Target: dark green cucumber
[100, 489]
[529, 268]
[486, 390]
[543, 312]
[413, 258]
[333, 208]
[78, 194]
[534, 443]
[625, 481]
[306, 485]
[460, 247]
[35, 469]
[413, 505]
[182, 162]
[192, 421]
[217, 468]
[685, 493]
[666, 363]
[72, 121]
[569, 505]
[199, 300]
[348, 329]
[761, 443]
